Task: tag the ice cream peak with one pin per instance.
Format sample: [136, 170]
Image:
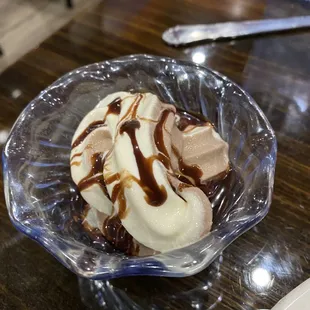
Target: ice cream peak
[137, 161]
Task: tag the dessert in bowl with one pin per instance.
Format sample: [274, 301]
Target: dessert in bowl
[146, 170]
[172, 223]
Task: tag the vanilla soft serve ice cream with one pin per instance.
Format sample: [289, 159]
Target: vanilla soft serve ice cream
[139, 165]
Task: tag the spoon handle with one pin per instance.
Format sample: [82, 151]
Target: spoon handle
[181, 35]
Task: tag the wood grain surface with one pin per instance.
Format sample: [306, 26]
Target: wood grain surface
[264, 264]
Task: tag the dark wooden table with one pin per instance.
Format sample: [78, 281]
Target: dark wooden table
[265, 263]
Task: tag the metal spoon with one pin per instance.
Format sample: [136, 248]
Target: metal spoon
[181, 35]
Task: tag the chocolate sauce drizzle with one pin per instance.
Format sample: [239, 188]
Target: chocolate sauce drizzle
[155, 195]
[159, 134]
[76, 155]
[133, 109]
[113, 108]
[75, 163]
[86, 132]
[188, 171]
[187, 119]
[95, 175]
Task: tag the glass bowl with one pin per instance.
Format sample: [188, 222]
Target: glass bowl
[42, 198]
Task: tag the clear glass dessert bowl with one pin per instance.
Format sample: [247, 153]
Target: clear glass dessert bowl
[42, 199]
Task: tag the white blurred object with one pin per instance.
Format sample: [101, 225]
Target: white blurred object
[297, 299]
[185, 34]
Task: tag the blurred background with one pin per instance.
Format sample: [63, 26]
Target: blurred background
[261, 266]
[26, 23]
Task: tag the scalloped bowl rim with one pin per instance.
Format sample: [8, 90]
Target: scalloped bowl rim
[46, 244]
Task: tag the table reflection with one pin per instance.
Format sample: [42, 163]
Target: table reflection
[198, 57]
[261, 277]
[156, 292]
